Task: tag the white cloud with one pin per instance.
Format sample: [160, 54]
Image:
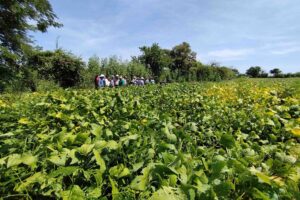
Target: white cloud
[286, 51]
[230, 54]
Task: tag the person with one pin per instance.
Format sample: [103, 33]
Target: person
[96, 81]
[107, 82]
[125, 80]
[116, 81]
[152, 81]
[147, 81]
[112, 81]
[102, 82]
[142, 81]
[133, 81]
[122, 81]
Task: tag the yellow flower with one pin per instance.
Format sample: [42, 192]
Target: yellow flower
[296, 131]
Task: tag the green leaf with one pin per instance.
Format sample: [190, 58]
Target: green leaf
[111, 144]
[95, 193]
[168, 193]
[114, 187]
[85, 149]
[119, 171]
[141, 182]
[171, 137]
[63, 171]
[99, 161]
[25, 184]
[14, 160]
[74, 194]
[257, 194]
[58, 160]
[29, 159]
[261, 176]
[227, 140]
[96, 130]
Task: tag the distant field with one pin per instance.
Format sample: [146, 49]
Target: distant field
[232, 140]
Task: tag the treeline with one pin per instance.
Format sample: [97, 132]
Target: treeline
[258, 72]
[51, 69]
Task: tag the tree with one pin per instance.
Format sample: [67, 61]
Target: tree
[17, 17]
[183, 58]
[64, 68]
[254, 71]
[155, 58]
[276, 72]
[94, 64]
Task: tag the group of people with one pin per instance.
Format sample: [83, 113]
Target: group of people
[116, 81]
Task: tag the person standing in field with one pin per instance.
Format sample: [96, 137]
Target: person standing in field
[122, 81]
[102, 82]
[107, 82]
[125, 80]
[147, 81]
[112, 81]
[117, 80]
[96, 81]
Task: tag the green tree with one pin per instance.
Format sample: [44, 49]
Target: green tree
[254, 71]
[94, 64]
[63, 67]
[17, 17]
[183, 58]
[155, 58]
[276, 72]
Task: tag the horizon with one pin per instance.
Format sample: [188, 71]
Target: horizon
[261, 33]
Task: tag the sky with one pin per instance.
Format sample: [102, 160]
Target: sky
[234, 33]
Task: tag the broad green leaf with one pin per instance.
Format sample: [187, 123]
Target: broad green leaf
[171, 137]
[227, 140]
[137, 166]
[58, 160]
[96, 130]
[139, 183]
[85, 149]
[114, 187]
[95, 193]
[111, 144]
[74, 194]
[14, 160]
[25, 184]
[261, 176]
[29, 159]
[64, 171]
[99, 161]
[119, 171]
[168, 193]
[257, 194]
[24, 120]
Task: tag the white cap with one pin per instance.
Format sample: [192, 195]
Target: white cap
[102, 75]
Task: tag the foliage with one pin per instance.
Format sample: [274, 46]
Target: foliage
[155, 58]
[229, 140]
[17, 18]
[183, 58]
[62, 67]
[276, 72]
[254, 71]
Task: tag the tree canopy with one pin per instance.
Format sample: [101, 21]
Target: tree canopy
[17, 17]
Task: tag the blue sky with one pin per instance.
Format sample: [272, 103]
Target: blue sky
[232, 32]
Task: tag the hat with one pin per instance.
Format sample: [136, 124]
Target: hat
[142, 77]
[102, 75]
